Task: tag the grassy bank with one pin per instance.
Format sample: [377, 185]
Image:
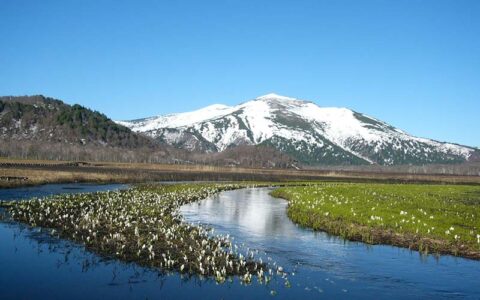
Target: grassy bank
[430, 218]
[142, 225]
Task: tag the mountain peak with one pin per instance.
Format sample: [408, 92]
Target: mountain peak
[273, 96]
[310, 133]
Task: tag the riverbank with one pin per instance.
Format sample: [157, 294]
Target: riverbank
[439, 219]
[15, 173]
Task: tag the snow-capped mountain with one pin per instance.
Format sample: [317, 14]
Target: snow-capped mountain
[307, 132]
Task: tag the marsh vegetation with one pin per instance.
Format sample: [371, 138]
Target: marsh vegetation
[142, 225]
[429, 218]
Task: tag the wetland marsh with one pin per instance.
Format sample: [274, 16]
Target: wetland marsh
[165, 241]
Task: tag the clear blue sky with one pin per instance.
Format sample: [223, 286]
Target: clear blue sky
[412, 63]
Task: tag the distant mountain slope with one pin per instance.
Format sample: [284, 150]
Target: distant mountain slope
[39, 127]
[49, 120]
[301, 129]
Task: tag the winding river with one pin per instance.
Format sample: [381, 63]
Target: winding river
[36, 266]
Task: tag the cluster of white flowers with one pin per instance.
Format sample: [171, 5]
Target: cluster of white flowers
[144, 225]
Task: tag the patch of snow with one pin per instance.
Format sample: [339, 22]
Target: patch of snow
[258, 115]
[273, 96]
[178, 120]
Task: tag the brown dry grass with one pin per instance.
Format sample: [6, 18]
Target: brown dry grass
[36, 177]
[41, 171]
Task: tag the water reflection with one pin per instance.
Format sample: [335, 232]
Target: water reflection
[329, 263]
[256, 218]
[36, 265]
[40, 191]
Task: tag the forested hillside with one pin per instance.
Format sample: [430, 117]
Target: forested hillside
[45, 128]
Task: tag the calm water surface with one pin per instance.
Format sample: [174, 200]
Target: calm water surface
[329, 266]
[34, 265]
[45, 190]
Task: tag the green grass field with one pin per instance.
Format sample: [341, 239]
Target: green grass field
[430, 218]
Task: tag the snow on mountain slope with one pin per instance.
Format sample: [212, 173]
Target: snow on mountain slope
[181, 119]
[302, 129]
